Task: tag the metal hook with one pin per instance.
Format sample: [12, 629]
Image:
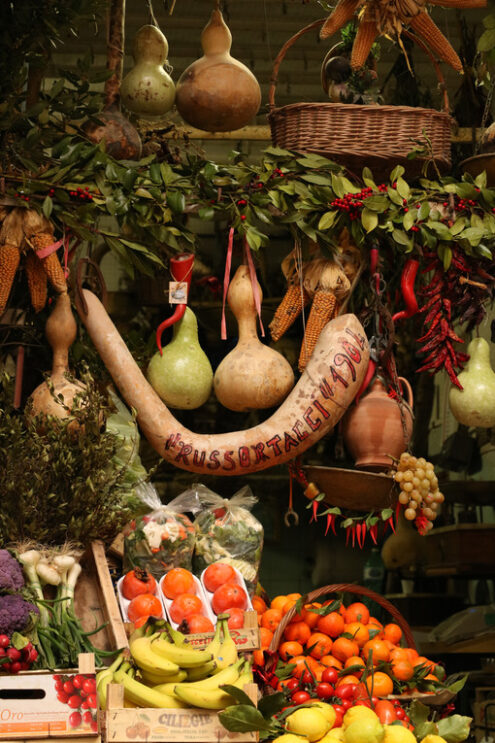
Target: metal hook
[290, 513]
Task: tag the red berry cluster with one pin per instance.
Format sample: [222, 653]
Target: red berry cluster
[277, 173]
[352, 202]
[13, 660]
[82, 195]
[256, 183]
[78, 691]
[20, 195]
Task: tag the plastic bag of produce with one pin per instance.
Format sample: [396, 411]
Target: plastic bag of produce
[227, 531]
[163, 538]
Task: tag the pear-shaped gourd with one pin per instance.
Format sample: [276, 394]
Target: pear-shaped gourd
[182, 376]
[405, 547]
[217, 93]
[252, 376]
[474, 405]
[148, 90]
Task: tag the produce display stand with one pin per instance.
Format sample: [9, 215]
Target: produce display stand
[168, 725]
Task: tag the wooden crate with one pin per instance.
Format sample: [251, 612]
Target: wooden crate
[124, 725]
[95, 604]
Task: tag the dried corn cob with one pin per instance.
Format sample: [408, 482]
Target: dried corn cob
[36, 276]
[322, 311]
[365, 36]
[9, 260]
[434, 38]
[343, 12]
[39, 234]
[289, 309]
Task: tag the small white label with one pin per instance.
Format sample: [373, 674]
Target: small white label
[177, 292]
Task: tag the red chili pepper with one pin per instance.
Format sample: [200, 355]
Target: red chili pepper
[374, 533]
[353, 531]
[347, 535]
[407, 280]
[314, 509]
[391, 522]
[370, 373]
[330, 523]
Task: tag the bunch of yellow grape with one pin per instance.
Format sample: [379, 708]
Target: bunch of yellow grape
[419, 491]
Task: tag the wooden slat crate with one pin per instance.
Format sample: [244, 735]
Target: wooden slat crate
[95, 604]
[168, 725]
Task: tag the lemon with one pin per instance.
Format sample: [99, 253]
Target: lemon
[364, 730]
[333, 735]
[308, 721]
[290, 738]
[400, 734]
[433, 739]
[359, 712]
[326, 710]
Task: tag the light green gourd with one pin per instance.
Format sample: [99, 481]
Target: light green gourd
[148, 90]
[474, 405]
[182, 376]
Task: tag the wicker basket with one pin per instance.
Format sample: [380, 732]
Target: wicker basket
[357, 136]
[433, 699]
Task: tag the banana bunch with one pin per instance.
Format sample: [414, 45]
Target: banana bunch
[166, 672]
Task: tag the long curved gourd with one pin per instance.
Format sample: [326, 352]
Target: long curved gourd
[320, 398]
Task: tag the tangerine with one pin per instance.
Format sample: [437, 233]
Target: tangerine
[357, 612]
[347, 679]
[379, 684]
[217, 574]
[258, 658]
[258, 604]
[358, 631]
[330, 661]
[144, 605]
[319, 645]
[228, 596]
[271, 618]
[412, 654]
[309, 616]
[278, 602]
[266, 637]
[290, 649]
[331, 624]
[185, 606]
[378, 648]
[177, 581]
[354, 660]
[344, 648]
[393, 633]
[298, 631]
[402, 670]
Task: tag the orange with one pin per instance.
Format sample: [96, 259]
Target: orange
[258, 658]
[198, 623]
[391, 645]
[289, 649]
[217, 574]
[344, 648]
[348, 679]
[374, 624]
[258, 604]
[358, 631]
[420, 660]
[402, 670]
[330, 661]
[354, 660]
[379, 648]
[398, 654]
[266, 636]
[270, 619]
[288, 605]
[392, 632]
[430, 677]
[319, 645]
[298, 631]
[228, 596]
[379, 684]
[144, 605]
[177, 581]
[184, 606]
[332, 624]
[278, 602]
[412, 654]
[357, 612]
[299, 661]
[309, 616]
[293, 596]
[318, 671]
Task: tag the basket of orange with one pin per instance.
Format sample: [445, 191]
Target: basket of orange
[316, 646]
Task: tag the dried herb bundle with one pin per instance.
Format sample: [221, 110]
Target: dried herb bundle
[58, 483]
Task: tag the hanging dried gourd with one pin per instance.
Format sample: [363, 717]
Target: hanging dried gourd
[217, 93]
[148, 89]
[390, 18]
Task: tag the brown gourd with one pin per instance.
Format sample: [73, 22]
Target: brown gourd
[252, 376]
[217, 93]
[147, 89]
[60, 331]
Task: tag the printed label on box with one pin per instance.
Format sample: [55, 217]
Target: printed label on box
[172, 725]
[45, 705]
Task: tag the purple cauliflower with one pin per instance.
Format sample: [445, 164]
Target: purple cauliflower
[11, 577]
[15, 613]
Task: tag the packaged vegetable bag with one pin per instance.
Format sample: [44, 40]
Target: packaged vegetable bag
[163, 538]
[227, 531]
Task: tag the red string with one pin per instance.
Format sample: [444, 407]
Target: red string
[226, 281]
[49, 249]
[254, 283]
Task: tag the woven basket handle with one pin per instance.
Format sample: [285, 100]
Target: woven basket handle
[281, 55]
[342, 588]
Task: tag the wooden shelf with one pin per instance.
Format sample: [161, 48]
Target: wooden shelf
[481, 644]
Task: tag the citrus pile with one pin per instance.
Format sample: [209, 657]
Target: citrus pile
[341, 653]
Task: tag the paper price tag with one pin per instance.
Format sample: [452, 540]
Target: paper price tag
[177, 292]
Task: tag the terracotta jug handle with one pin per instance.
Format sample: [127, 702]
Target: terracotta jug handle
[408, 388]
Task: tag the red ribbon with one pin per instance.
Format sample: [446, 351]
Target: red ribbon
[49, 249]
[226, 281]
[68, 255]
[254, 283]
